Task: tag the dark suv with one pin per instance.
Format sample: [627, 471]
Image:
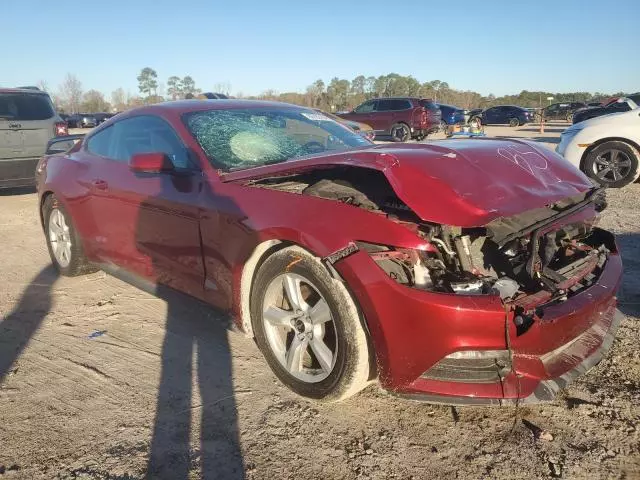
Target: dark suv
[562, 111]
[401, 118]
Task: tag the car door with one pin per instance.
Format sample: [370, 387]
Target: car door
[147, 223]
[490, 115]
[362, 113]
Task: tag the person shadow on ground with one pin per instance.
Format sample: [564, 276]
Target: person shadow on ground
[22, 323]
[196, 355]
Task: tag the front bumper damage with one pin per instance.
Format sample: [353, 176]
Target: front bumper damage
[413, 330]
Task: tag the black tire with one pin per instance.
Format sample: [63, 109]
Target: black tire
[475, 122]
[400, 132]
[569, 117]
[514, 122]
[621, 171]
[350, 371]
[78, 264]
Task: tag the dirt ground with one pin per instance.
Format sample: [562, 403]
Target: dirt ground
[99, 380]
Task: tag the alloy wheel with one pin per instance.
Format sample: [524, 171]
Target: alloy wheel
[60, 238]
[300, 327]
[612, 165]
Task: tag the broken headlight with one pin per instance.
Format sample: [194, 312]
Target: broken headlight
[421, 268]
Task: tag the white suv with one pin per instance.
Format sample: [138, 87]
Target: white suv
[27, 122]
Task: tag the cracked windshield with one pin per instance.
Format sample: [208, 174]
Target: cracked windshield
[238, 139]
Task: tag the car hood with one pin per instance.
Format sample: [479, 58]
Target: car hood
[455, 182]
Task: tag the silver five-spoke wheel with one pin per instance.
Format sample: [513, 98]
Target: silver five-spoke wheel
[299, 327]
[60, 238]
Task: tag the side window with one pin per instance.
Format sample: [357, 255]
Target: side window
[384, 105]
[147, 134]
[100, 143]
[366, 107]
[393, 104]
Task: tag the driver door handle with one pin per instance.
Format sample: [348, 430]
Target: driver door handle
[100, 184]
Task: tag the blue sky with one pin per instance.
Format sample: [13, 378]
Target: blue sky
[498, 47]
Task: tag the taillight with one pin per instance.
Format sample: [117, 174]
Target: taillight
[61, 129]
[423, 116]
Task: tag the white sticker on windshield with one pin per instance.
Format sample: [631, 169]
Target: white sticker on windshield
[316, 117]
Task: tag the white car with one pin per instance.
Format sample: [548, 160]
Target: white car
[606, 148]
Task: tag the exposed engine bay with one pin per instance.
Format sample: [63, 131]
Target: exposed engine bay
[535, 257]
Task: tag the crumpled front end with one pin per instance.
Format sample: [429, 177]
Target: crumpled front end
[513, 310]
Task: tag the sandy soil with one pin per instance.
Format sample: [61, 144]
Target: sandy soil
[99, 380]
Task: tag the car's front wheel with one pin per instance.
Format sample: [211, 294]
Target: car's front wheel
[514, 122]
[308, 327]
[400, 132]
[63, 241]
[613, 164]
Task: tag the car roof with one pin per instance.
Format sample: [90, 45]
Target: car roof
[192, 105]
[30, 91]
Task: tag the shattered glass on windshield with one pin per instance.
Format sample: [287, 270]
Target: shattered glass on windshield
[237, 139]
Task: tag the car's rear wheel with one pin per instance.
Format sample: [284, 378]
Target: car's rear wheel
[63, 242]
[400, 132]
[613, 164]
[308, 327]
[514, 122]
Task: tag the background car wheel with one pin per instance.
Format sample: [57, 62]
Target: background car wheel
[63, 241]
[514, 122]
[475, 122]
[613, 164]
[308, 327]
[569, 117]
[400, 132]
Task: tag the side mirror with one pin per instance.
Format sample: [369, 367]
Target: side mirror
[62, 144]
[155, 162]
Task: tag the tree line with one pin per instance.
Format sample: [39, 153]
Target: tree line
[336, 95]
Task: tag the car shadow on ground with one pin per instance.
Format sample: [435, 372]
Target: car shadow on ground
[7, 192]
[629, 293]
[554, 140]
[546, 129]
[21, 324]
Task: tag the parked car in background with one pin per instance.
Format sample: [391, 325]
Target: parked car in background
[502, 115]
[212, 96]
[28, 121]
[102, 117]
[401, 118]
[606, 148]
[561, 111]
[346, 260]
[361, 128]
[451, 115]
[616, 105]
[82, 120]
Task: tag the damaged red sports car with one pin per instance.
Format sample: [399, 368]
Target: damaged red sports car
[461, 271]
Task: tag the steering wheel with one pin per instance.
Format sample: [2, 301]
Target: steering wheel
[313, 147]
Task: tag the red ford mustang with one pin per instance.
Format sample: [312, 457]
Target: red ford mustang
[456, 272]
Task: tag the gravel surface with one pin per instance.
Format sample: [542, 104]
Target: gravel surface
[99, 380]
